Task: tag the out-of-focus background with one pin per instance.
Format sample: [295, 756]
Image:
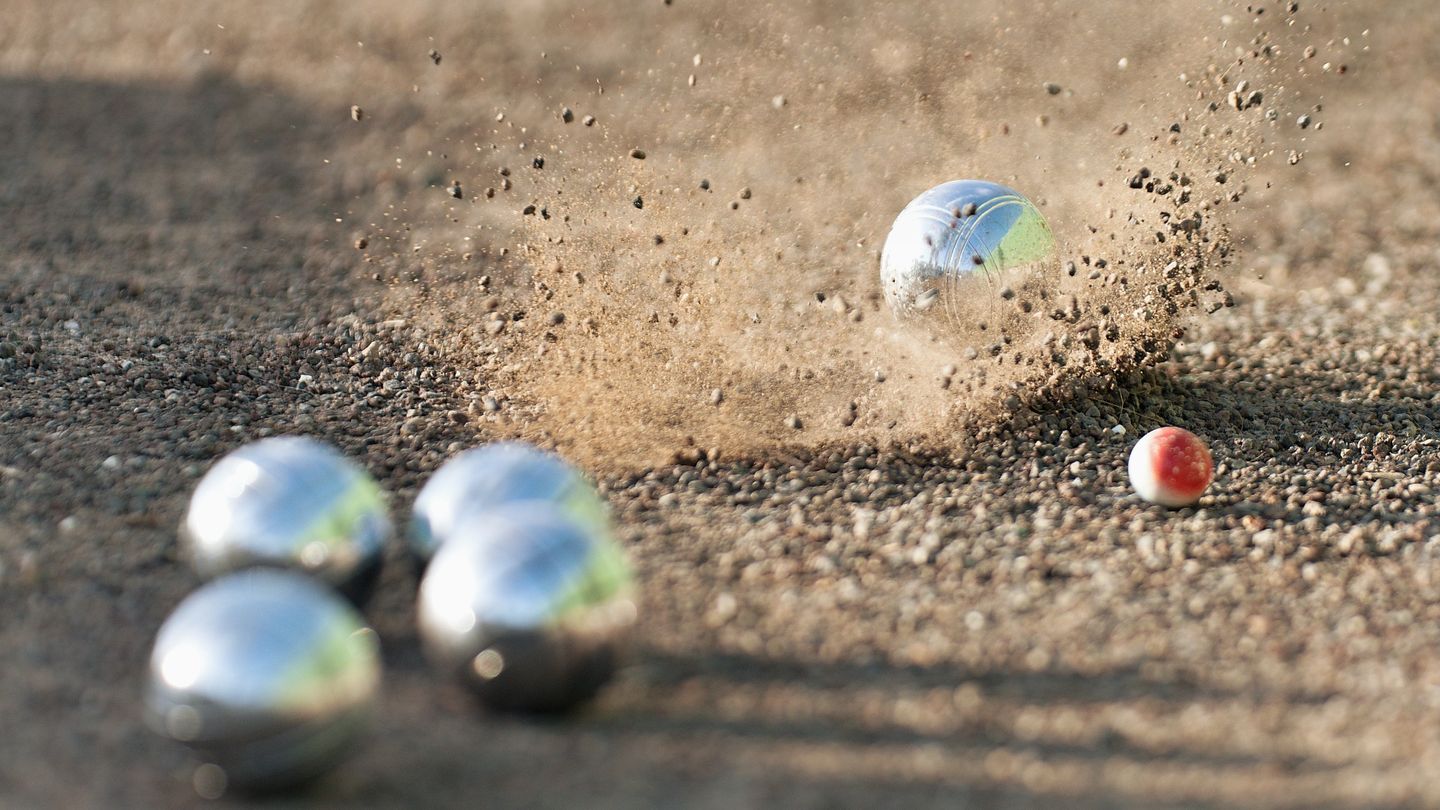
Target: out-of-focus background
[880, 610]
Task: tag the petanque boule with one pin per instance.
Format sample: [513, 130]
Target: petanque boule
[289, 502]
[494, 476]
[268, 676]
[528, 607]
[955, 235]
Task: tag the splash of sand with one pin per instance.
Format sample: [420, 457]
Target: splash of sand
[721, 294]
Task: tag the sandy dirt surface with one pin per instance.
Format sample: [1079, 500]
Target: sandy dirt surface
[876, 567]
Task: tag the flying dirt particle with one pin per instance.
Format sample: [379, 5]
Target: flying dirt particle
[567, 115]
[538, 162]
[588, 120]
[1052, 88]
[356, 113]
[556, 318]
[704, 185]
[362, 243]
[434, 56]
[638, 154]
[793, 422]
[455, 190]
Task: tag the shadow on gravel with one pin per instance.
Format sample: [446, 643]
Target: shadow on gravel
[1126, 687]
[830, 747]
[1296, 410]
[1037, 688]
[188, 198]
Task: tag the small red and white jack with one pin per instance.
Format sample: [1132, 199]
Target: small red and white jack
[1171, 466]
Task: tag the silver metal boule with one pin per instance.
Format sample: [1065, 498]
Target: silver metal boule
[267, 675]
[957, 233]
[528, 607]
[493, 476]
[289, 502]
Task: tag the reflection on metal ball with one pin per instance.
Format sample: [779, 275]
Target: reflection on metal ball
[289, 502]
[527, 606]
[493, 476]
[267, 675]
[957, 233]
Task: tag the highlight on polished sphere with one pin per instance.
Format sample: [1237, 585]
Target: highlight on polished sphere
[527, 606]
[493, 476]
[954, 235]
[289, 502]
[268, 676]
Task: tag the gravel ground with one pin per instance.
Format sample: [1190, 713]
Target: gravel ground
[831, 616]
